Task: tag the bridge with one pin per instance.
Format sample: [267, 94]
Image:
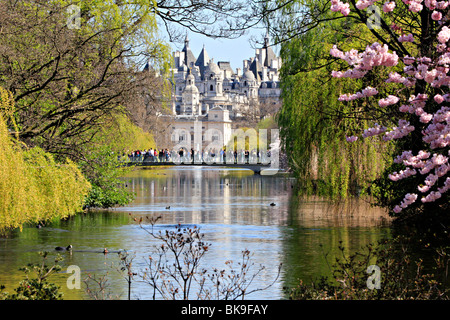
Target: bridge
[255, 167]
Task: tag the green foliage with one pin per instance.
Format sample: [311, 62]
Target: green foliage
[103, 169]
[267, 123]
[121, 135]
[102, 162]
[38, 287]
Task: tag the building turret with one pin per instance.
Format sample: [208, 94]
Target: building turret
[214, 80]
[189, 58]
[190, 97]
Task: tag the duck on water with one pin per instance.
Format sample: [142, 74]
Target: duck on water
[69, 247]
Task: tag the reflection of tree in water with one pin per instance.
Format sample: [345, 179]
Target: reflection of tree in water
[318, 228]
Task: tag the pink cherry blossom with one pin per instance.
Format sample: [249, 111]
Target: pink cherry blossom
[438, 98]
[395, 77]
[388, 6]
[431, 4]
[374, 131]
[429, 76]
[406, 38]
[403, 129]
[432, 74]
[351, 139]
[373, 56]
[415, 6]
[408, 60]
[363, 4]
[446, 186]
[431, 197]
[444, 34]
[402, 174]
[441, 5]
[407, 200]
[425, 117]
[423, 189]
[367, 92]
[388, 101]
[339, 6]
[436, 15]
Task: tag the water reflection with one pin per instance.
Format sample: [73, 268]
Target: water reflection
[197, 195]
[233, 210]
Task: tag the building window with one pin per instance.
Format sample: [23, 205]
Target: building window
[211, 88]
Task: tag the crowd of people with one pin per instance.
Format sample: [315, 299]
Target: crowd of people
[193, 156]
[151, 155]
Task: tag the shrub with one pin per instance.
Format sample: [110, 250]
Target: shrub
[37, 288]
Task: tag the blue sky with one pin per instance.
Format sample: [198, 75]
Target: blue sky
[232, 50]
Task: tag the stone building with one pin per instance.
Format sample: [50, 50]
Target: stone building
[214, 94]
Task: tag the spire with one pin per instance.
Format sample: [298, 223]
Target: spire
[202, 60]
[266, 39]
[188, 55]
[270, 55]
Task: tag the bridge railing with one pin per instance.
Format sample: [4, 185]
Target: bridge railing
[208, 159]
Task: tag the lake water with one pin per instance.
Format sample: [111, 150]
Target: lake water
[231, 207]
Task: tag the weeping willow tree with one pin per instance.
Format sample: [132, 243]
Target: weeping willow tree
[123, 135]
[33, 186]
[313, 123]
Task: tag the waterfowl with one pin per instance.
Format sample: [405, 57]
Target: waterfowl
[168, 207]
[69, 247]
[273, 204]
[105, 250]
